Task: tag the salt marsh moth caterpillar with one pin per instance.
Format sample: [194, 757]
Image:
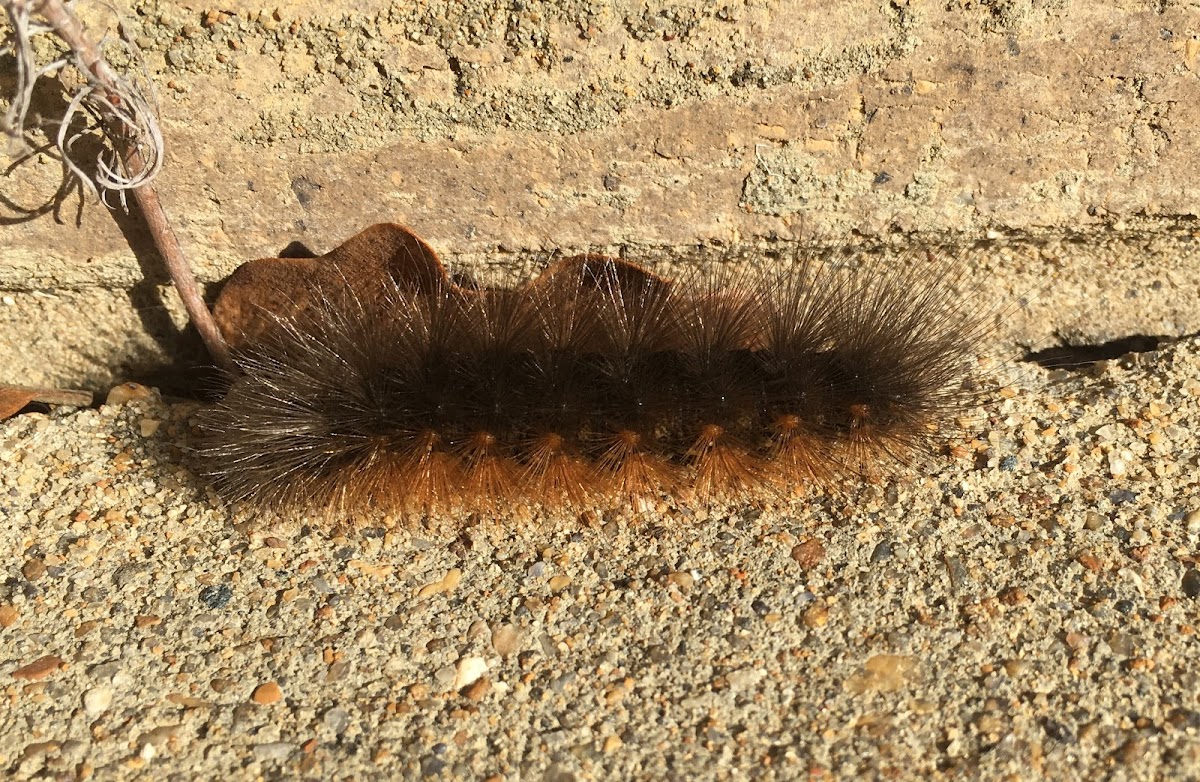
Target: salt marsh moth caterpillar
[372, 382]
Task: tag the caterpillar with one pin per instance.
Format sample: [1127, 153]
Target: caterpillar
[374, 382]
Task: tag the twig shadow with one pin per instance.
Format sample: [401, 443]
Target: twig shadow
[49, 99]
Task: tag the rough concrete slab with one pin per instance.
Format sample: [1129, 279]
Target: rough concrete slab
[506, 132]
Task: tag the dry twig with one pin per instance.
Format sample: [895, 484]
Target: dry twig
[128, 120]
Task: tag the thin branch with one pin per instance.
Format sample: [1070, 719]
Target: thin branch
[131, 126]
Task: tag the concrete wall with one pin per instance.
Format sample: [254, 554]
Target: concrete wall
[1055, 143]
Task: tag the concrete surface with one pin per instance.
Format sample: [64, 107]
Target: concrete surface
[1029, 611]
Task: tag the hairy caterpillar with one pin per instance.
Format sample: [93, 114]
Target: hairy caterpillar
[373, 382]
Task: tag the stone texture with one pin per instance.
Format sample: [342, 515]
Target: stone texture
[1065, 131]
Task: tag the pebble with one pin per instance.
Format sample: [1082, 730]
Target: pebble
[127, 392]
[478, 690]
[559, 583]
[745, 678]
[468, 670]
[266, 694]
[39, 668]
[959, 577]
[97, 700]
[816, 615]
[447, 583]
[216, 596]
[274, 750]
[33, 569]
[445, 676]
[337, 720]
[809, 553]
[882, 552]
[1058, 731]
[682, 579]
[1191, 582]
[883, 673]
[506, 640]
[563, 681]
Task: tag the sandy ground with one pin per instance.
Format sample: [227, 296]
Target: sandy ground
[1028, 611]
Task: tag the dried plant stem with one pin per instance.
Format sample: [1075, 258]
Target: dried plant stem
[178, 267]
[63, 21]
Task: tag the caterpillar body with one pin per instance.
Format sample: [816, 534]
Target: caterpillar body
[373, 382]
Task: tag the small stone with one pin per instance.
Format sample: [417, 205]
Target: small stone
[988, 724]
[882, 552]
[221, 684]
[39, 668]
[97, 700]
[33, 569]
[1191, 582]
[883, 673]
[266, 694]
[468, 670]
[216, 596]
[8, 615]
[477, 690]
[559, 583]
[816, 615]
[127, 392]
[337, 720]
[959, 577]
[445, 676]
[682, 579]
[1192, 520]
[1076, 642]
[446, 584]
[506, 640]
[1140, 664]
[612, 743]
[745, 678]
[275, 750]
[148, 426]
[1132, 752]
[1058, 731]
[1089, 561]
[1118, 465]
[809, 553]
[1014, 596]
